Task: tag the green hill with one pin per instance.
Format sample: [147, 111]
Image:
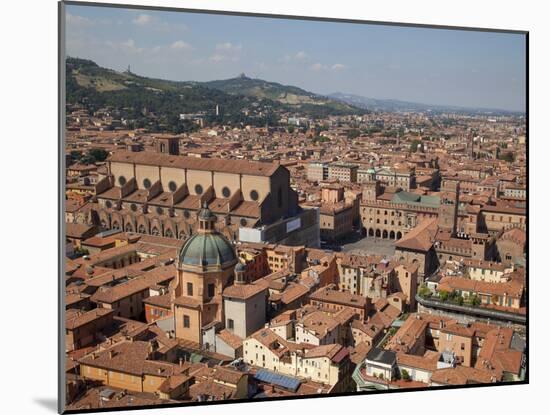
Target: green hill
[288, 95]
[157, 103]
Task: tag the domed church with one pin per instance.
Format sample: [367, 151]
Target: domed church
[205, 266]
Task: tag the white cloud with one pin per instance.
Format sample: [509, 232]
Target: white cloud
[318, 67]
[127, 46]
[298, 56]
[77, 21]
[216, 58]
[228, 46]
[153, 22]
[226, 51]
[180, 45]
[142, 19]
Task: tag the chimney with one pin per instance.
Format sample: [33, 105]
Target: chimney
[111, 354]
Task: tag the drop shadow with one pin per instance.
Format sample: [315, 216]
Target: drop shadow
[48, 403]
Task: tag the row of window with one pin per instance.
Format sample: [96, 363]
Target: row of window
[172, 186]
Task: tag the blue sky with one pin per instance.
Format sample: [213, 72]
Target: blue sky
[452, 67]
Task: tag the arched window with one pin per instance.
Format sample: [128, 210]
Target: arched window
[172, 186]
[146, 183]
[122, 180]
[198, 189]
[226, 192]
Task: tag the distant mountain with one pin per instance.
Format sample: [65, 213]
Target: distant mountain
[289, 95]
[394, 105]
[241, 99]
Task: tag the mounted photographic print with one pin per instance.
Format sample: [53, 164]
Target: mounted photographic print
[261, 207]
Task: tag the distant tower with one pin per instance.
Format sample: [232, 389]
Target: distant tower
[448, 208]
[371, 190]
[217, 110]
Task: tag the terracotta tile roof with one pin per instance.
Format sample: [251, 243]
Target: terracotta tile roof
[335, 352]
[358, 354]
[230, 339]
[420, 238]
[512, 288]
[495, 354]
[78, 230]
[242, 291]
[135, 285]
[461, 375]
[131, 357]
[253, 168]
[187, 302]
[78, 319]
[408, 334]
[330, 295]
[162, 301]
[428, 363]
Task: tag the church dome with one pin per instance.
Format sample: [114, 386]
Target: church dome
[207, 249]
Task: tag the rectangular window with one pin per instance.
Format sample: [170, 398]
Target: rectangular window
[186, 322]
[211, 290]
[230, 324]
[190, 289]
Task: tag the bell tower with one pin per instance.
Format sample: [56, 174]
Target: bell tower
[448, 208]
[371, 190]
